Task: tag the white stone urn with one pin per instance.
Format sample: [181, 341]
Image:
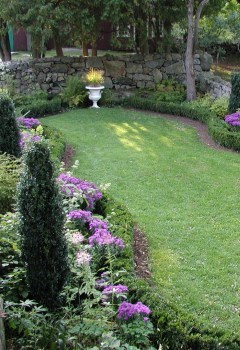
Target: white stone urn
[94, 94]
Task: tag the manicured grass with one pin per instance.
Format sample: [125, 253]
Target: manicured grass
[183, 194]
[26, 55]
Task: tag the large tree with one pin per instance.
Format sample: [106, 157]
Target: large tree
[194, 11]
[5, 51]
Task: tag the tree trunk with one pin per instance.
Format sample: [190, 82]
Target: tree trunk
[58, 45]
[36, 46]
[190, 73]
[94, 48]
[84, 49]
[5, 51]
[201, 5]
[2, 332]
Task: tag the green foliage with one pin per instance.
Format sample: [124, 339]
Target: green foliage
[41, 226]
[220, 107]
[184, 109]
[9, 132]
[121, 223]
[41, 108]
[9, 172]
[110, 98]
[74, 94]
[234, 101]
[21, 100]
[31, 326]
[136, 332]
[12, 272]
[170, 91]
[56, 142]
[222, 134]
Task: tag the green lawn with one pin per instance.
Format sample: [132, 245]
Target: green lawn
[26, 55]
[183, 194]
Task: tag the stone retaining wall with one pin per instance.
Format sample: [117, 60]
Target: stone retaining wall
[126, 72]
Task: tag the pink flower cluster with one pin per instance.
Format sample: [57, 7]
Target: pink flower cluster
[83, 258]
[95, 224]
[104, 237]
[77, 238]
[233, 119]
[83, 215]
[70, 185]
[127, 310]
[28, 123]
[118, 289]
[28, 137]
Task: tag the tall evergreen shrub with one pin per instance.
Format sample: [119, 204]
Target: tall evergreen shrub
[44, 247]
[9, 131]
[234, 101]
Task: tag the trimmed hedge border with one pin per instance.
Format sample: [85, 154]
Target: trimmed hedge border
[41, 108]
[217, 128]
[174, 330]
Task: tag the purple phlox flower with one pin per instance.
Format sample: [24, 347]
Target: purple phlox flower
[104, 237]
[28, 137]
[71, 185]
[127, 310]
[83, 257]
[95, 224]
[233, 119]
[118, 289]
[145, 319]
[77, 238]
[82, 215]
[28, 123]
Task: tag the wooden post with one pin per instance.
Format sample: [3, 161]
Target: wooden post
[2, 331]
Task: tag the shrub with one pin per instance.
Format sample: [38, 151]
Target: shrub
[40, 108]
[9, 132]
[9, 172]
[74, 94]
[110, 98]
[220, 132]
[234, 101]
[56, 142]
[28, 99]
[44, 247]
[220, 107]
[12, 272]
[184, 109]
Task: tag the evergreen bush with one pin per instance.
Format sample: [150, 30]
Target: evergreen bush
[40, 108]
[9, 132]
[44, 248]
[9, 171]
[234, 101]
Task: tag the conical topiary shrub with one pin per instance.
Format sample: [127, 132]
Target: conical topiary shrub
[44, 247]
[234, 101]
[9, 131]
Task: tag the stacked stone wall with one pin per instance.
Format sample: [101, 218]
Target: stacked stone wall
[126, 72]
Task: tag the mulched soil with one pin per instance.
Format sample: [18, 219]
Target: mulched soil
[68, 156]
[140, 245]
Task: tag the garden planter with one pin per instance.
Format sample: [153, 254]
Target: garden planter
[94, 94]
